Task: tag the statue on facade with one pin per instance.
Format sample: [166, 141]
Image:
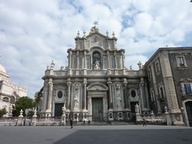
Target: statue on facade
[94, 30]
[118, 99]
[52, 65]
[97, 65]
[76, 102]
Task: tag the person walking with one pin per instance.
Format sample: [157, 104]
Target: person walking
[144, 122]
[71, 123]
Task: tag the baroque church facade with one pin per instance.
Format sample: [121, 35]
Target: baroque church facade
[97, 86]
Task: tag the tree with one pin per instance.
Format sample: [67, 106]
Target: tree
[2, 112]
[23, 103]
[39, 95]
[38, 98]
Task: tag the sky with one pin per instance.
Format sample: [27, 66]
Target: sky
[35, 32]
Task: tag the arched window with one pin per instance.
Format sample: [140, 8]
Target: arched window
[96, 61]
[96, 57]
[6, 99]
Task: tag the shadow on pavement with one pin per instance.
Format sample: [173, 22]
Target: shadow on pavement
[176, 136]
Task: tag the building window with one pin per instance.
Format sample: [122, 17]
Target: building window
[60, 94]
[180, 61]
[161, 92]
[187, 88]
[6, 99]
[96, 57]
[157, 67]
[96, 60]
[149, 73]
[133, 93]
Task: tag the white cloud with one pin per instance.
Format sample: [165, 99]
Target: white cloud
[143, 22]
[33, 33]
[133, 60]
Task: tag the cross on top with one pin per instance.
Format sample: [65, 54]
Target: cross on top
[95, 23]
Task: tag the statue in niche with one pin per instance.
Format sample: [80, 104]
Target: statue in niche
[97, 65]
[118, 98]
[76, 101]
[76, 86]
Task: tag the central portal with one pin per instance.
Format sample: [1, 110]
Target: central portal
[97, 109]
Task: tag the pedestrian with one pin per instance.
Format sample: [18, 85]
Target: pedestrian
[71, 123]
[144, 122]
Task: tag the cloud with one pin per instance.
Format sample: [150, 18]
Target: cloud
[33, 33]
[133, 61]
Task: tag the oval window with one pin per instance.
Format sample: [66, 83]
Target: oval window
[6, 99]
[133, 93]
[59, 94]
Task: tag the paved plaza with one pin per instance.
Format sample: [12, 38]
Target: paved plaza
[124, 134]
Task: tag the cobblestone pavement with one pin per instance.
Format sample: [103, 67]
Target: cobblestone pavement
[124, 134]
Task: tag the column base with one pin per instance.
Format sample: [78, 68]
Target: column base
[85, 111]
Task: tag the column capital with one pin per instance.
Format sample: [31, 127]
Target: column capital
[69, 83]
[85, 83]
[50, 83]
[109, 83]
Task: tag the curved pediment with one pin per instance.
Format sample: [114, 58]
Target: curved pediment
[97, 87]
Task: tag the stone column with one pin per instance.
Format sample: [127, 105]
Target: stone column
[142, 83]
[110, 94]
[115, 59]
[126, 103]
[114, 44]
[77, 60]
[91, 61]
[107, 44]
[70, 53]
[69, 63]
[78, 44]
[84, 37]
[85, 63]
[85, 60]
[50, 87]
[69, 96]
[108, 59]
[85, 96]
[45, 93]
[123, 57]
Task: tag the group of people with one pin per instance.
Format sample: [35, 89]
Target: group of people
[71, 122]
[84, 122]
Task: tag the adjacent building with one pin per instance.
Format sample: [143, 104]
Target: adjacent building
[9, 92]
[170, 82]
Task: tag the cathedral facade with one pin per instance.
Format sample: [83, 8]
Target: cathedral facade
[95, 85]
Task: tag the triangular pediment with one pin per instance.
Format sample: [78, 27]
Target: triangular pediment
[97, 87]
